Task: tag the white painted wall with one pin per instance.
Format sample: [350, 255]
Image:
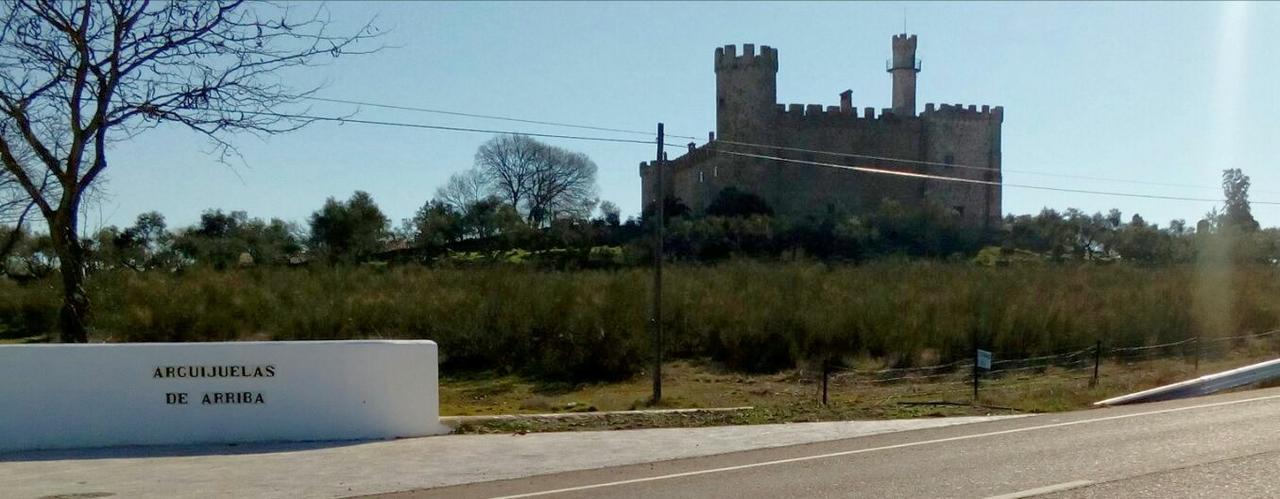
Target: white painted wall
[68, 396]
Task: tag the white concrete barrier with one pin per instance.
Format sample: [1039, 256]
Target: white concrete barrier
[97, 395]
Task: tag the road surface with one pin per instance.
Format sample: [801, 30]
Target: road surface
[1220, 446]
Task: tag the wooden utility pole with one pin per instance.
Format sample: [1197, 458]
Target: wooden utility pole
[656, 319]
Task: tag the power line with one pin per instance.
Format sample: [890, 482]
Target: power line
[339, 119]
[463, 114]
[640, 132]
[978, 182]
[486, 116]
[970, 167]
[759, 145]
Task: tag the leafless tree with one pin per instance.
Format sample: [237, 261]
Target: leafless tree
[544, 182]
[77, 75]
[563, 186]
[510, 162]
[464, 189]
[17, 208]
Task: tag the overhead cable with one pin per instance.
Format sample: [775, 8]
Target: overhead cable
[883, 171]
[340, 120]
[968, 167]
[487, 116]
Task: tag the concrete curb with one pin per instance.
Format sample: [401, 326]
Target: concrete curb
[456, 421]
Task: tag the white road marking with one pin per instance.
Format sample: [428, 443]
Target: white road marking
[887, 447]
[1043, 490]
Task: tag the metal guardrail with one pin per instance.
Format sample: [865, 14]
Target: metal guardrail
[1204, 385]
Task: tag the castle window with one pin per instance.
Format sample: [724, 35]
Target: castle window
[959, 210]
[700, 179]
[720, 103]
[949, 160]
[715, 171]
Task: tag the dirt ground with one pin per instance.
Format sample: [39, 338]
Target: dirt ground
[795, 395]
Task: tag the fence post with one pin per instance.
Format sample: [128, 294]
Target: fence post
[826, 371]
[1197, 364]
[1097, 360]
[975, 374]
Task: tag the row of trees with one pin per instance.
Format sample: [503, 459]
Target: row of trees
[740, 223]
[347, 231]
[520, 193]
[735, 224]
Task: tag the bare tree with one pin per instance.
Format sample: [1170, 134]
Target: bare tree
[17, 208]
[77, 75]
[510, 162]
[464, 190]
[563, 187]
[544, 182]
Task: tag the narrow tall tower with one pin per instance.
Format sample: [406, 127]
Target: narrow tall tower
[904, 67]
[746, 92]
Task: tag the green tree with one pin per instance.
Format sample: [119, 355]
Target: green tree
[220, 238]
[491, 217]
[349, 231]
[610, 213]
[1139, 242]
[1236, 212]
[1047, 232]
[731, 202]
[33, 256]
[144, 246]
[437, 223]
[927, 230]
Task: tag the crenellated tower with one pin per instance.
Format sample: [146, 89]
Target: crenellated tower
[798, 171]
[904, 67]
[746, 92]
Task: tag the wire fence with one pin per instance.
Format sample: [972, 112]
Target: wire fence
[964, 376]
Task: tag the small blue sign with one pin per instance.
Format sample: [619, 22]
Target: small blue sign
[984, 359]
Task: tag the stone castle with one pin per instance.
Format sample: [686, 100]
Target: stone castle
[947, 140]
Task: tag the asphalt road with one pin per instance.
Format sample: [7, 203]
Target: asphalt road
[1220, 446]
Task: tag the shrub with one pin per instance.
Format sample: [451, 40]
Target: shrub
[753, 316]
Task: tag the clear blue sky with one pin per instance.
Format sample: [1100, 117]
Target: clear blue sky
[1147, 91]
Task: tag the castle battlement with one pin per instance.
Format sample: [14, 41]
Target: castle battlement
[961, 111]
[748, 111]
[694, 156]
[727, 57]
[831, 114]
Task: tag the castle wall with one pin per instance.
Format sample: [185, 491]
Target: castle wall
[967, 137]
[798, 189]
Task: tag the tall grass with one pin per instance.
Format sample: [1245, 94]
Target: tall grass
[593, 324]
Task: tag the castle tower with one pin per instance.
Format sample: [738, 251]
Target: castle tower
[904, 67]
[746, 92]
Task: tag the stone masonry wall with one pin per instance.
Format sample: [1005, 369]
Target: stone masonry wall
[947, 140]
